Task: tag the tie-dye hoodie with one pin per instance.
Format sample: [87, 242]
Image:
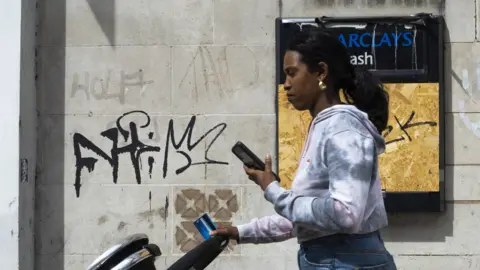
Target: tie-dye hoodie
[336, 187]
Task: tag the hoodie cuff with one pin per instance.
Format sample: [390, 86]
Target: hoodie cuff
[273, 191]
[246, 234]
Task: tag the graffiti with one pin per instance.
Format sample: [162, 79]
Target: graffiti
[135, 149]
[100, 88]
[404, 127]
[476, 91]
[209, 70]
[465, 80]
[474, 127]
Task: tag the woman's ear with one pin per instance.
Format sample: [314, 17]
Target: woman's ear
[323, 71]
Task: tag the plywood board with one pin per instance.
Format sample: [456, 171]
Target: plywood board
[411, 159]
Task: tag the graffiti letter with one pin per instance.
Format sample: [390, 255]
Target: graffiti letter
[190, 146]
[406, 126]
[89, 162]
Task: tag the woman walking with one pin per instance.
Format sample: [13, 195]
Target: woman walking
[335, 206]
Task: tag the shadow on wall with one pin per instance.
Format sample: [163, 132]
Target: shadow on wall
[104, 12]
[50, 199]
[430, 227]
[50, 234]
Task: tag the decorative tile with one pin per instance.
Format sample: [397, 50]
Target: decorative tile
[221, 204]
[190, 203]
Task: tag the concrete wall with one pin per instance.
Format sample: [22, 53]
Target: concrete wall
[205, 67]
[28, 134]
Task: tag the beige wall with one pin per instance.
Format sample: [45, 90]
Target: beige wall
[205, 58]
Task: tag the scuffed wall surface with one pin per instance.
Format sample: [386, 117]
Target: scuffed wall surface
[28, 136]
[205, 69]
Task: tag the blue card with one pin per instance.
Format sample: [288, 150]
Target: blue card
[205, 225]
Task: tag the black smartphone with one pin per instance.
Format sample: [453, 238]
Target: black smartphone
[249, 158]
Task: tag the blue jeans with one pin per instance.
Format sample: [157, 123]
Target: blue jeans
[345, 251]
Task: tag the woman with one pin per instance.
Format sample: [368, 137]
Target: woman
[335, 205]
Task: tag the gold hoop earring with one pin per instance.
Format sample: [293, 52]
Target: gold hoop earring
[321, 85]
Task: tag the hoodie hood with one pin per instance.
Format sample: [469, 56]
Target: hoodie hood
[358, 114]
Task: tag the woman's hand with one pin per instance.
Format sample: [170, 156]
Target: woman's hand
[261, 178]
[229, 231]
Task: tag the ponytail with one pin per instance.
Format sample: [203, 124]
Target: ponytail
[367, 93]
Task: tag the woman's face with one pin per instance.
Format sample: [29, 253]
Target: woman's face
[301, 85]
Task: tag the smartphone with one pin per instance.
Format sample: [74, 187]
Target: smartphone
[248, 158]
[205, 225]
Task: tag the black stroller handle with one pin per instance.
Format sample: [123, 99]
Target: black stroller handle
[202, 255]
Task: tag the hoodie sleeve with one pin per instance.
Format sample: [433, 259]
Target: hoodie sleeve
[268, 229]
[349, 157]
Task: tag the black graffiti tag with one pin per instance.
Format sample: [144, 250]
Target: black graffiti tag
[190, 146]
[405, 127]
[136, 148]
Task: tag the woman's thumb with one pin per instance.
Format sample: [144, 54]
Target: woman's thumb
[220, 231]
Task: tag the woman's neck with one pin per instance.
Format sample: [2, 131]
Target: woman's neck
[323, 104]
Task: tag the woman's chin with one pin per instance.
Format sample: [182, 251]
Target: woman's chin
[298, 106]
